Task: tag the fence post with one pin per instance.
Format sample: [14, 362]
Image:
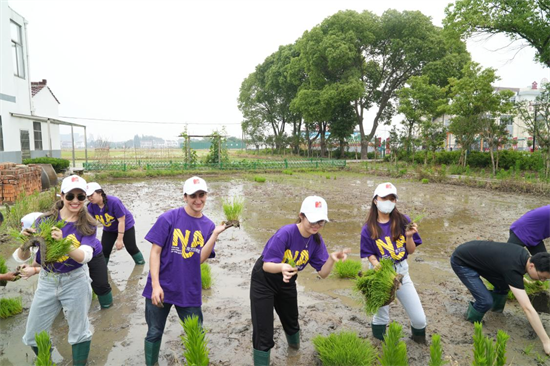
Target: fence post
[286, 164]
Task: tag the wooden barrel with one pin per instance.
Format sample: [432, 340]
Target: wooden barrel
[45, 180]
[50, 172]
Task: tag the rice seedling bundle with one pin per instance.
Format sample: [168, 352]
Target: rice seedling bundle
[233, 208]
[347, 269]
[259, 179]
[44, 349]
[3, 270]
[415, 220]
[194, 341]
[531, 287]
[344, 349]
[394, 350]
[10, 306]
[51, 250]
[206, 276]
[378, 286]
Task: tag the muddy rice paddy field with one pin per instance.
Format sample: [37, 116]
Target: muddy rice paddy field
[454, 214]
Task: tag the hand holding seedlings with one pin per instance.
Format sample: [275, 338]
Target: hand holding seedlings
[27, 271]
[288, 271]
[56, 233]
[411, 229]
[414, 223]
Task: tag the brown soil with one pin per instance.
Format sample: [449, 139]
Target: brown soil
[454, 214]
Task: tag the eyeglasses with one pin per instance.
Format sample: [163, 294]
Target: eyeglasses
[70, 196]
[319, 223]
[194, 195]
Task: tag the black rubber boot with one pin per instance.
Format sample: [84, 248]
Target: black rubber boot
[419, 335]
[378, 331]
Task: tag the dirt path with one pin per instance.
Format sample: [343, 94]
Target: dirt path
[454, 215]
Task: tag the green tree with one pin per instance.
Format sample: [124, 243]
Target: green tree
[189, 155]
[536, 116]
[218, 148]
[526, 20]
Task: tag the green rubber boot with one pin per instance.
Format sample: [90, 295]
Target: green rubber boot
[472, 315]
[138, 258]
[152, 353]
[106, 300]
[293, 340]
[378, 331]
[261, 358]
[499, 301]
[80, 353]
[419, 335]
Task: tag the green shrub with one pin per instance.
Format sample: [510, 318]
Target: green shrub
[10, 306]
[394, 350]
[206, 276]
[344, 349]
[59, 165]
[194, 342]
[44, 349]
[347, 269]
[259, 179]
[436, 354]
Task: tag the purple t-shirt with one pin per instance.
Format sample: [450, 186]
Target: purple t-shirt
[533, 227]
[181, 237]
[386, 247]
[66, 264]
[288, 242]
[109, 218]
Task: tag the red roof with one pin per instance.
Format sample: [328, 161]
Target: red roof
[36, 86]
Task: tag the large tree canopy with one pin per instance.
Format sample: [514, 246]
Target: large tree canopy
[522, 19]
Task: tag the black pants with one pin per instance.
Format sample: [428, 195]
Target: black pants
[108, 240]
[268, 291]
[98, 274]
[539, 248]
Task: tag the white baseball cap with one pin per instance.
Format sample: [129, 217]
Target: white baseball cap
[73, 182]
[385, 189]
[194, 184]
[92, 187]
[315, 208]
[28, 220]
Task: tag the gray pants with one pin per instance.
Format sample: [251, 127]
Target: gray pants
[408, 297]
[68, 291]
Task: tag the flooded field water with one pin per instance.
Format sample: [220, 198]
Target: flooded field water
[454, 215]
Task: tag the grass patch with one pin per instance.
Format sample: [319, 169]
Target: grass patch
[378, 286]
[206, 276]
[259, 179]
[344, 349]
[394, 350]
[44, 345]
[347, 269]
[194, 342]
[10, 306]
[233, 208]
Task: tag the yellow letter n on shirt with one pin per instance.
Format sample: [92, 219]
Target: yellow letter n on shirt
[389, 247]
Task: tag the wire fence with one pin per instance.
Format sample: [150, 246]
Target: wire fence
[126, 165]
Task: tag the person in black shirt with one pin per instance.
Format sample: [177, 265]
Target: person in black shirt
[503, 265]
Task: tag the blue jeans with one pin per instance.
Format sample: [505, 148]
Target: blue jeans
[471, 279]
[156, 318]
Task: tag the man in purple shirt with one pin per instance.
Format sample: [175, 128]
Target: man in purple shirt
[182, 239]
[531, 229]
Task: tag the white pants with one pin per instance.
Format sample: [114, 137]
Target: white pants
[408, 297]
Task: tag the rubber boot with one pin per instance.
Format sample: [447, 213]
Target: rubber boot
[499, 301]
[106, 300]
[152, 353]
[138, 258]
[472, 315]
[261, 358]
[293, 340]
[419, 335]
[80, 353]
[378, 331]
[106, 260]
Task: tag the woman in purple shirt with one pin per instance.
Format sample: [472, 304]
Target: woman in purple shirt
[531, 229]
[273, 282]
[384, 236]
[118, 223]
[65, 284]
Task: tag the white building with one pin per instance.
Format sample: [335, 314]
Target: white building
[29, 124]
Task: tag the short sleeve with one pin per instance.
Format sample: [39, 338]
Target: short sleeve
[368, 245]
[319, 256]
[275, 250]
[159, 232]
[118, 209]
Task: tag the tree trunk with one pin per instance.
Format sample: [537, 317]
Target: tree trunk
[492, 160]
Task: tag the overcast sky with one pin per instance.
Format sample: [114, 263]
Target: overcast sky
[184, 61]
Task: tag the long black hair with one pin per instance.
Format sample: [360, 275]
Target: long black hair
[316, 236]
[104, 196]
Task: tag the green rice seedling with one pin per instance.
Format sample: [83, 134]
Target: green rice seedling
[287, 171]
[259, 179]
[44, 349]
[194, 341]
[55, 249]
[378, 286]
[10, 306]
[436, 354]
[347, 269]
[528, 349]
[486, 353]
[3, 270]
[425, 181]
[206, 276]
[344, 349]
[328, 176]
[394, 350]
[291, 261]
[416, 219]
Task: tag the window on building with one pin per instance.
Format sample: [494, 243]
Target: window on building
[37, 135]
[1, 136]
[17, 50]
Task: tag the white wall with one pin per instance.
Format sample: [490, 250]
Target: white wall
[45, 105]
